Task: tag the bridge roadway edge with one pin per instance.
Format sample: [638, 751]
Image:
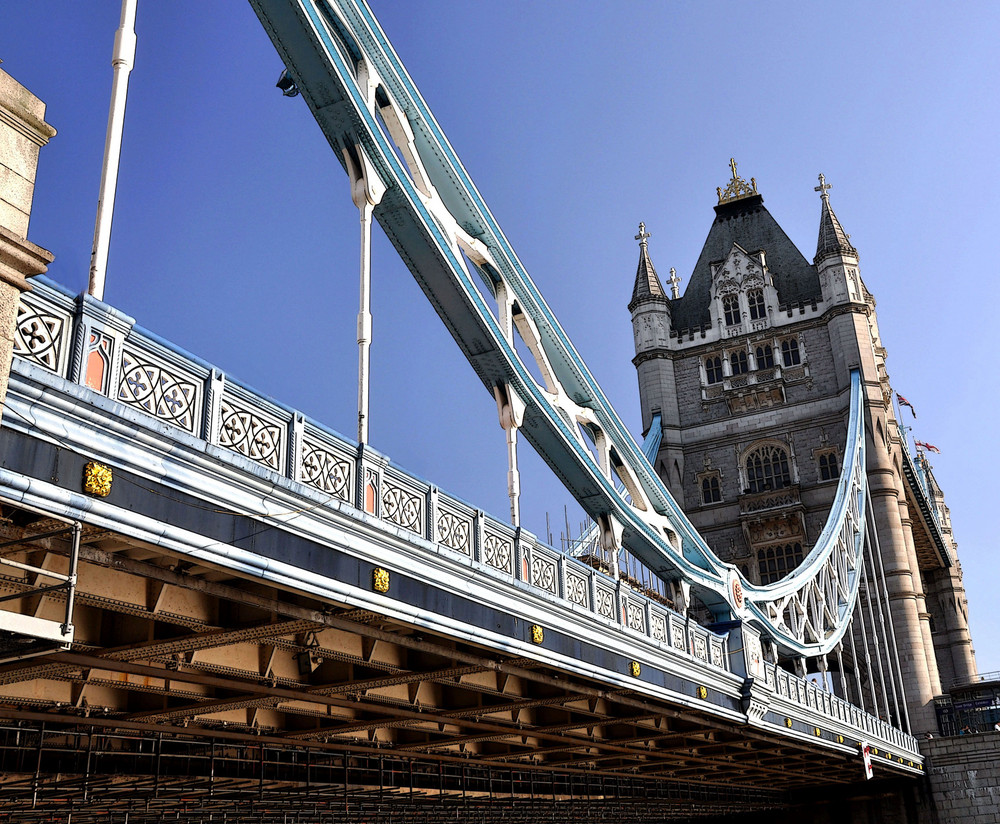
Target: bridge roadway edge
[118, 434]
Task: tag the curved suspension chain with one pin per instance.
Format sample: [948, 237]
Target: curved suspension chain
[402, 166]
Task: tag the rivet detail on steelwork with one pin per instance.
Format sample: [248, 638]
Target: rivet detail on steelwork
[97, 479]
[380, 579]
[537, 634]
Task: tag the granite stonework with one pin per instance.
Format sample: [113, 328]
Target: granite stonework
[964, 776]
[23, 132]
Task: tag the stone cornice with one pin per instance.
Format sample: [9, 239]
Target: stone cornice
[25, 123]
[21, 259]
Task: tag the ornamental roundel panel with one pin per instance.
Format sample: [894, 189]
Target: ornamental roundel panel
[401, 507]
[158, 391]
[249, 434]
[497, 553]
[636, 617]
[605, 602]
[38, 336]
[576, 589]
[326, 471]
[543, 573]
[658, 627]
[454, 532]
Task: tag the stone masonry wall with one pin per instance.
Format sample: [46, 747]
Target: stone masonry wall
[964, 775]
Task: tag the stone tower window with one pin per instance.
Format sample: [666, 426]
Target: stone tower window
[765, 356]
[755, 301]
[829, 467]
[775, 562]
[767, 469]
[711, 490]
[731, 309]
[713, 369]
[738, 362]
[790, 352]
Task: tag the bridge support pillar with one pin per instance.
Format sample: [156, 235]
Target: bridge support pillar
[902, 579]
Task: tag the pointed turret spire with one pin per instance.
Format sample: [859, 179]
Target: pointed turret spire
[647, 283]
[833, 240]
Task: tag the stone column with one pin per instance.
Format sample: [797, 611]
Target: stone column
[23, 131]
[902, 582]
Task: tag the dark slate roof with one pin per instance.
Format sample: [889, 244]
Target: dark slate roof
[748, 223]
[833, 239]
[647, 283]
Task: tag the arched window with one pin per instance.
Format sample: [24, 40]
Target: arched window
[731, 308]
[775, 562]
[711, 492]
[790, 352]
[755, 302]
[738, 362]
[765, 356]
[767, 469]
[713, 369]
[828, 467]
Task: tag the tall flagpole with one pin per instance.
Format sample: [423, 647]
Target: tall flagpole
[121, 60]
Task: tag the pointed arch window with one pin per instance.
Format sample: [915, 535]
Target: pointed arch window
[731, 309]
[775, 562]
[765, 356]
[711, 490]
[713, 369]
[790, 352]
[755, 302]
[738, 362]
[767, 469]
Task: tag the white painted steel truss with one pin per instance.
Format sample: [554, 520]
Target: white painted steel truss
[404, 172]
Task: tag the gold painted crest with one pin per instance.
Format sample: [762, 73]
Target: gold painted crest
[97, 479]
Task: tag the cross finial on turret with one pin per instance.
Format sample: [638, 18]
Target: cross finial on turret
[674, 282]
[823, 187]
[732, 165]
[643, 236]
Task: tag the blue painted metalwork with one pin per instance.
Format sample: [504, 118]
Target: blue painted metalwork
[372, 115]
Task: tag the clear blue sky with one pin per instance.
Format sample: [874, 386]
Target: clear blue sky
[235, 236]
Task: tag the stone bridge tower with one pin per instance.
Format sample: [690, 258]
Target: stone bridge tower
[749, 370]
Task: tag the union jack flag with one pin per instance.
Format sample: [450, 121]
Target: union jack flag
[904, 402]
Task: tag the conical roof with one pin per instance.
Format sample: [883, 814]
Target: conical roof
[647, 282]
[833, 240]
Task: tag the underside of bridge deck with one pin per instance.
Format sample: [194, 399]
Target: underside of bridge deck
[190, 691]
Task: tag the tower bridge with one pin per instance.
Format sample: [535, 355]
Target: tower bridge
[212, 605]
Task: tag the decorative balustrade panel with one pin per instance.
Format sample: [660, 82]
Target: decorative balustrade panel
[249, 431]
[165, 392]
[402, 504]
[42, 333]
[455, 529]
[327, 468]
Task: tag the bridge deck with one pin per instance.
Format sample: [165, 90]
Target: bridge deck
[265, 611]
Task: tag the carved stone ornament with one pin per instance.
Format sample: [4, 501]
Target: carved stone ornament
[380, 579]
[97, 479]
